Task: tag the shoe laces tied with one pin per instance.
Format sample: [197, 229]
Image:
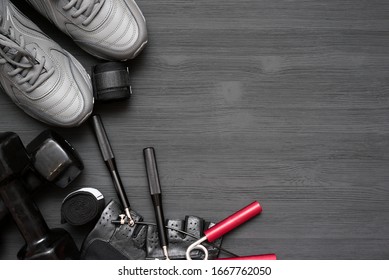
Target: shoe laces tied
[88, 8]
[23, 61]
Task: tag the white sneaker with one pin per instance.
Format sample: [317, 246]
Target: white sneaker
[108, 29]
[39, 76]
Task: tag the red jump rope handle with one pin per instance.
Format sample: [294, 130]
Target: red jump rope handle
[271, 257]
[233, 221]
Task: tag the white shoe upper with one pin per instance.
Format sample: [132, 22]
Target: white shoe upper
[108, 29]
[38, 75]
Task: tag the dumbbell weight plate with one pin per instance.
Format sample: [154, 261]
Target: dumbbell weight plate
[54, 158]
[54, 161]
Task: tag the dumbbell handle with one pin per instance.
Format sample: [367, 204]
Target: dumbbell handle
[31, 183]
[24, 212]
[41, 242]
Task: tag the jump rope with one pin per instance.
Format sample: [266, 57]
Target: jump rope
[211, 234]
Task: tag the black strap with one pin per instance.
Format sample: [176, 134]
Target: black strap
[111, 81]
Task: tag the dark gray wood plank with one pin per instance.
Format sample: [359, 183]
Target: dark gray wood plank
[284, 102]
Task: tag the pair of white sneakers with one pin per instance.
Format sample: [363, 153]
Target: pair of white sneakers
[46, 81]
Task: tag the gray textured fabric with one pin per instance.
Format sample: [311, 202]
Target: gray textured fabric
[108, 29]
[39, 76]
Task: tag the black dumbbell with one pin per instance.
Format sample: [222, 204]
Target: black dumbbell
[54, 162]
[41, 242]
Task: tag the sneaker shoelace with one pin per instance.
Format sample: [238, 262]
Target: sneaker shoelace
[23, 61]
[87, 8]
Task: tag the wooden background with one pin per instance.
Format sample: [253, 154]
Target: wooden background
[284, 102]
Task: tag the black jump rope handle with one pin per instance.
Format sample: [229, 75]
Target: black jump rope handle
[109, 159]
[156, 196]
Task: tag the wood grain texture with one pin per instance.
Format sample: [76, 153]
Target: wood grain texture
[284, 102]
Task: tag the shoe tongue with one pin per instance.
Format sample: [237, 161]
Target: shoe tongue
[86, 3]
[8, 51]
[24, 60]
[14, 54]
[78, 4]
[11, 52]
